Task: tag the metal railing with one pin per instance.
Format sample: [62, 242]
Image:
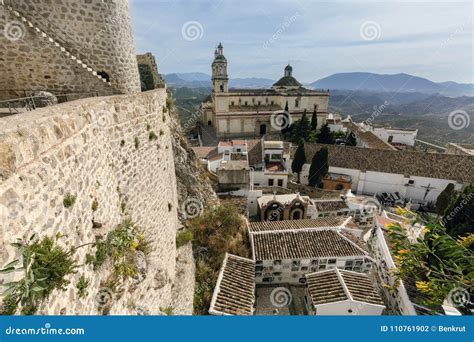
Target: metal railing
[31, 102]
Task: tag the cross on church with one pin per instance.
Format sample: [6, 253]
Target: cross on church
[428, 189]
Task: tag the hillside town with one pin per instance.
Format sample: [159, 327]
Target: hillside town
[321, 195]
[263, 203]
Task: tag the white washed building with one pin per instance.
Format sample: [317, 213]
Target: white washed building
[416, 176]
[340, 292]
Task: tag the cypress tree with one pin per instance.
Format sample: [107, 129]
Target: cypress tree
[319, 167]
[314, 121]
[444, 199]
[325, 135]
[298, 160]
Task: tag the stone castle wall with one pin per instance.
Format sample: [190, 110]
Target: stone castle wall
[97, 149]
[97, 32]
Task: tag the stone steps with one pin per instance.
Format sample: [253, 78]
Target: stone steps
[51, 40]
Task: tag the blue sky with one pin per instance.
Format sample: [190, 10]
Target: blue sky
[431, 39]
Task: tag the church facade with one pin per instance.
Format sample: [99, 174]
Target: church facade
[253, 113]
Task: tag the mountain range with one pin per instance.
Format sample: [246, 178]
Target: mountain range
[353, 81]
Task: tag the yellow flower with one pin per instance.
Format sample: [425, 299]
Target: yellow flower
[402, 251]
[466, 241]
[422, 286]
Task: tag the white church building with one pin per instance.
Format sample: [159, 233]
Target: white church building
[248, 112]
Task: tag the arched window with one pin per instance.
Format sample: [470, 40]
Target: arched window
[339, 186]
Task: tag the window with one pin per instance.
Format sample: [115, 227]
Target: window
[276, 274]
[295, 263]
[331, 261]
[266, 100]
[258, 268]
[259, 103]
[246, 103]
[275, 156]
[297, 103]
[411, 182]
[232, 103]
[390, 138]
[271, 103]
[323, 261]
[258, 262]
[277, 262]
[349, 262]
[271, 182]
[280, 182]
[304, 268]
[267, 280]
[253, 101]
[358, 262]
[239, 150]
[314, 262]
[302, 280]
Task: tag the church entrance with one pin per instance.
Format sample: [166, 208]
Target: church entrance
[209, 123]
[263, 129]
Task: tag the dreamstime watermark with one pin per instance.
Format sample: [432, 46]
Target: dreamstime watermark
[101, 117]
[281, 297]
[191, 208]
[10, 210]
[14, 30]
[46, 330]
[370, 205]
[280, 120]
[458, 119]
[192, 120]
[104, 297]
[192, 30]
[286, 24]
[458, 297]
[464, 201]
[370, 30]
[378, 110]
[459, 30]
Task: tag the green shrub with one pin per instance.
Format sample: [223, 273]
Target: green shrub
[95, 205]
[121, 245]
[45, 266]
[122, 143]
[82, 286]
[161, 132]
[152, 136]
[183, 237]
[69, 200]
[168, 310]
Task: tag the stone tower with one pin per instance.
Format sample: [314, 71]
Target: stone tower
[220, 80]
[66, 46]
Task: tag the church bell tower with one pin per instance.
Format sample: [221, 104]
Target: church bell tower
[220, 80]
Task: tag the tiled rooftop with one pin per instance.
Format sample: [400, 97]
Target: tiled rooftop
[433, 165]
[234, 293]
[369, 138]
[303, 244]
[320, 222]
[338, 285]
[323, 206]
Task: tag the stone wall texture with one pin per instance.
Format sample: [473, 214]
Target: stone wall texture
[97, 32]
[97, 149]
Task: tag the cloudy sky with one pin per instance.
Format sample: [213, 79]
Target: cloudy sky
[431, 39]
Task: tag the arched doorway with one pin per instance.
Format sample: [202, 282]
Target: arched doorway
[274, 212]
[263, 129]
[209, 123]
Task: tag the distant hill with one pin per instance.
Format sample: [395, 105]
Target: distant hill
[200, 79]
[391, 83]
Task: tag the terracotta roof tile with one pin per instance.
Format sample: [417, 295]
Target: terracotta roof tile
[235, 289]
